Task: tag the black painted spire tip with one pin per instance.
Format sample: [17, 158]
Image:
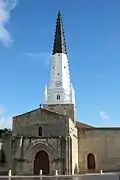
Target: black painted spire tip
[59, 45]
[58, 13]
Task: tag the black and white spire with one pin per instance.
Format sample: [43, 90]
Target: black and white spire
[59, 90]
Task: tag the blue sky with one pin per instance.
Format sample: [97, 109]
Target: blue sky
[92, 29]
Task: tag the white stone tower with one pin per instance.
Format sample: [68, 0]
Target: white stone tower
[59, 95]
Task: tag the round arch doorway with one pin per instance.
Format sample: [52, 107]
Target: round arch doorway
[41, 162]
[91, 162]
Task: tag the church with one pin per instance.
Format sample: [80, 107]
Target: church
[51, 137]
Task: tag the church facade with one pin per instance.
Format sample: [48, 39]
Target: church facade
[50, 137]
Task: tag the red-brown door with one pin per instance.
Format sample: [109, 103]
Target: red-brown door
[91, 161]
[41, 162]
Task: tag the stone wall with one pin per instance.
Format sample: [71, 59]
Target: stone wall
[104, 143]
[65, 109]
[6, 141]
[52, 124]
[74, 145]
[24, 156]
[55, 129]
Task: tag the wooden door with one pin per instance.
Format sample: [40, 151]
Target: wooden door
[41, 162]
[91, 161]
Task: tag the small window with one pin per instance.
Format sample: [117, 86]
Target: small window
[58, 74]
[58, 97]
[40, 131]
[64, 67]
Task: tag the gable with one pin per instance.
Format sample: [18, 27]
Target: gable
[81, 125]
[28, 124]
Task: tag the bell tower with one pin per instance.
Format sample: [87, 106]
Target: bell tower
[59, 96]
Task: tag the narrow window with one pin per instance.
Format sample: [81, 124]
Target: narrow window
[2, 157]
[40, 131]
[58, 97]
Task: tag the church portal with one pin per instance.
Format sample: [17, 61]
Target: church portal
[41, 162]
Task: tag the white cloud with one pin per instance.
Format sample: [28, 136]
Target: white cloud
[43, 56]
[104, 116]
[5, 121]
[2, 110]
[6, 7]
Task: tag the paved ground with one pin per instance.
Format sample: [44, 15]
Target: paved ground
[100, 177]
[107, 176]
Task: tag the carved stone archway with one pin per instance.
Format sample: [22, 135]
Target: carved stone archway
[41, 162]
[33, 151]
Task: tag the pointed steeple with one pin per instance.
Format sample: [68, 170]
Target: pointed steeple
[59, 90]
[59, 45]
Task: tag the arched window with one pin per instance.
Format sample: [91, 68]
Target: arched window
[91, 161]
[58, 97]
